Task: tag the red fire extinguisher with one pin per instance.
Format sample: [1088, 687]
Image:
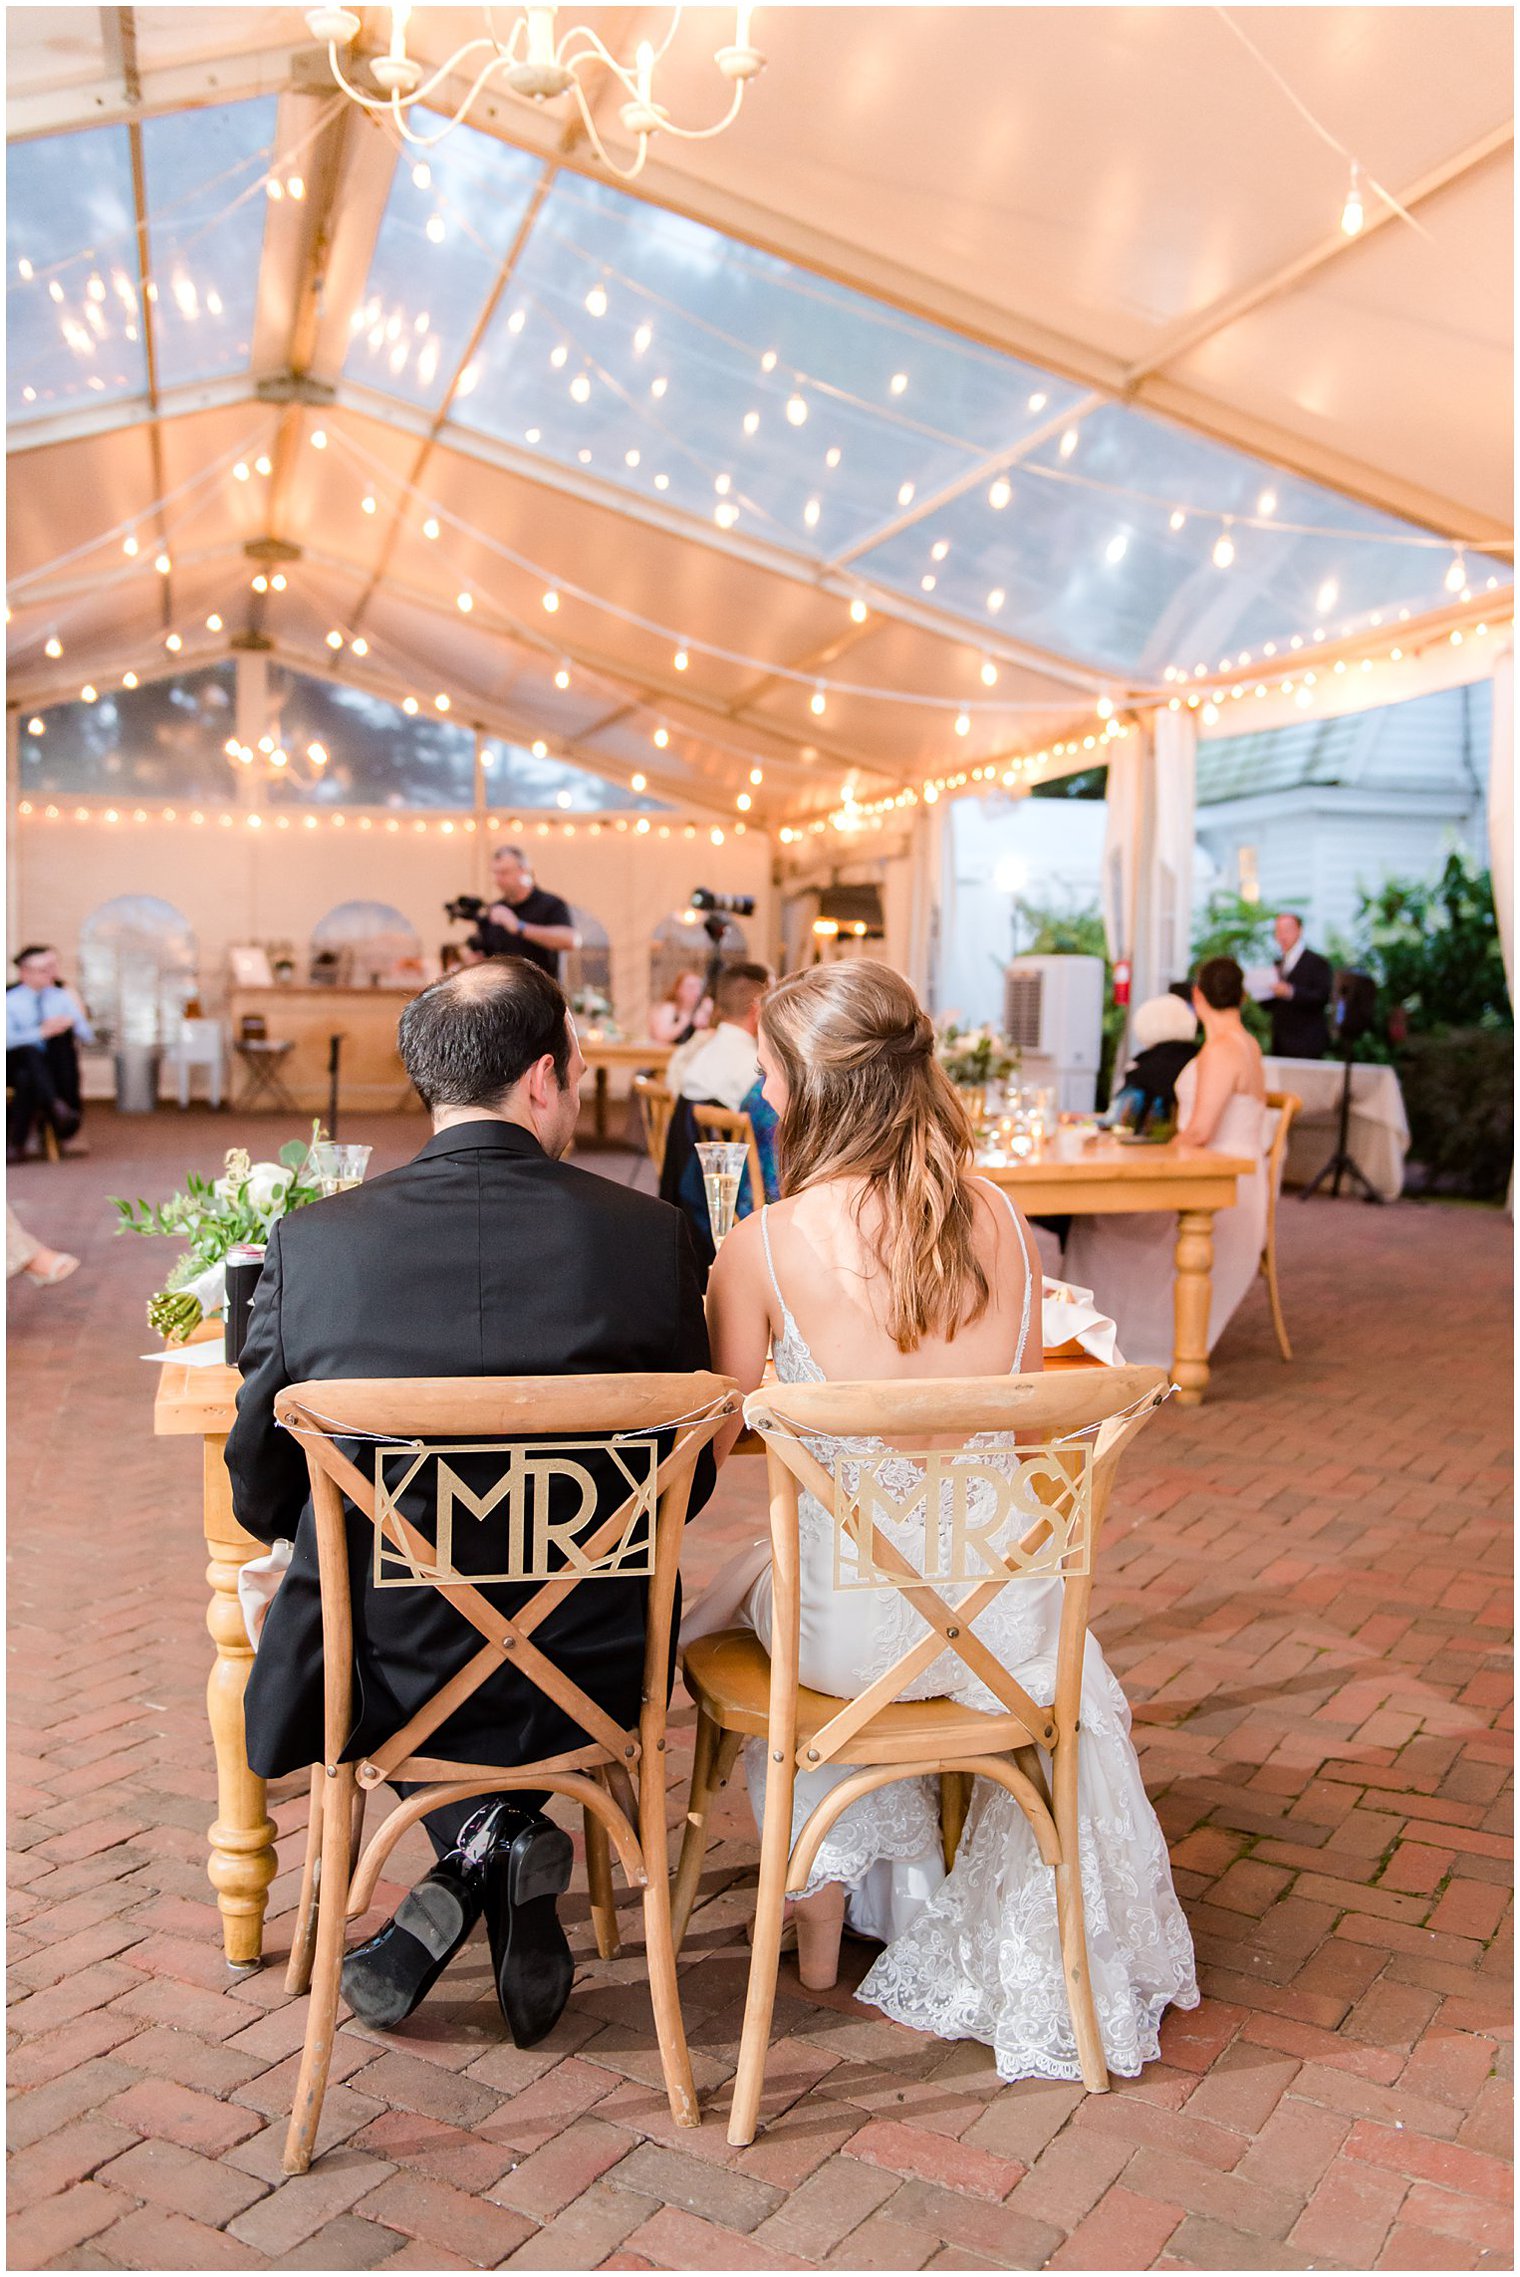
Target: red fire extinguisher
[1121, 981]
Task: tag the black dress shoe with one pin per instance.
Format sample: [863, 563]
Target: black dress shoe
[530, 1953]
[387, 1976]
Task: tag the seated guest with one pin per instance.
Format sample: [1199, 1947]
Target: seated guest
[1127, 1260]
[1166, 1031]
[764, 1122]
[487, 1254]
[44, 1027]
[682, 1010]
[1300, 994]
[718, 1068]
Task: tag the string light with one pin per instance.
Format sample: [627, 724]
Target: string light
[1353, 212]
[1000, 493]
[796, 410]
[858, 611]
[551, 601]
[1224, 549]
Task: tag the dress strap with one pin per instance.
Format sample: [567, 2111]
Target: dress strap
[1029, 1273]
[770, 1262]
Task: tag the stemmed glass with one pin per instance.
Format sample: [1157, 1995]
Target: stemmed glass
[339, 1167]
[722, 1163]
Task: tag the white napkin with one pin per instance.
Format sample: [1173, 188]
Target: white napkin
[1068, 1313]
[210, 1353]
[257, 1582]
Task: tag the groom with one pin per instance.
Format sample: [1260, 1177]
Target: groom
[487, 1254]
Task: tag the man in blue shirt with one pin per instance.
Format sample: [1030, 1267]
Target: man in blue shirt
[44, 1026]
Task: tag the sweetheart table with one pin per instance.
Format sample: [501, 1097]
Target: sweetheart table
[1107, 1177]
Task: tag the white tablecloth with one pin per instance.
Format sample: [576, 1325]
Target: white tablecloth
[1379, 1135]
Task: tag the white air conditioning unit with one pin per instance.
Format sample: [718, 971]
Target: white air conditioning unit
[1053, 1016]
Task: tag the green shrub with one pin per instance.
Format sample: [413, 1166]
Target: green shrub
[1459, 1097]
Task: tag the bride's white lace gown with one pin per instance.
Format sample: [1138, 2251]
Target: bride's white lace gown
[974, 1954]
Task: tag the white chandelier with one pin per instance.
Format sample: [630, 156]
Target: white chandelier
[536, 66]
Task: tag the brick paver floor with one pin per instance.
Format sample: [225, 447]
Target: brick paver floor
[1306, 1592]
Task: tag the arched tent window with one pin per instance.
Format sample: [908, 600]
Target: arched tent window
[363, 944]
[588, 969]
[681, 944]
[137, 969]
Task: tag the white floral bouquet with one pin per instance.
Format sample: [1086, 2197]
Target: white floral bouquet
[590, 1005]
[212, 1215]
[972, 1056]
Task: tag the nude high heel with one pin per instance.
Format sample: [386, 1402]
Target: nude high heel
[820, 1920]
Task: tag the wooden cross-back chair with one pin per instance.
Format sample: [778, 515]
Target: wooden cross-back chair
[733, 1124]
[618, 1776]
[1288, 1104]
[656, 1105]
[1071, 1428]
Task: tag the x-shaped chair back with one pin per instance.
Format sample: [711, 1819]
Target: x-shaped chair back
[1033, 1511]
[542, 1428]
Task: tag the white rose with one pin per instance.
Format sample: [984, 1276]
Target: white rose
[268, 1183]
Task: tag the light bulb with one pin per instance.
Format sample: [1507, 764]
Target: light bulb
[905, 494]
[899, 383]
[335, 640]
[638, 782]
[596, 301]
[1327, 596]
[263, 465]
[173, 644]
[757, 776]
[1266, 504]
[744, 802]
[88, 693]
[658, 386]
[430, 527]
[661, 739]
[680, 660]
[441, 703]
[963, 723]
[995, 600]
[751, 422]
[796, 411]
[1456, 576]
[437, 229]
[817, 703]
[261, 583]
[1105, 709]
[1353, 213]
[562, 679]
[1000, 493]
[422, 175]
[580, 389]
[1176, 519]
[242, 471]
[466, 603]
[551, 601]
[129, 548]
[36, 727]
[642, 338]
[1116, 548]
[319, 439]
[162, 565]
[129, 679]
[1068, 442]
[369, 505]
[811, 512]
[361, 648]
[939, 549]
[858, 611]
[1224, 550]
[989, 673]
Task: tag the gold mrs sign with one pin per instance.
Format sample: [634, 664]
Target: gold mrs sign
[978, 1511]
[539, 1546]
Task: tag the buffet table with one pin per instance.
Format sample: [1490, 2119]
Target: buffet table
[1105, 1177]
[370, 1073]
[1379, 1135]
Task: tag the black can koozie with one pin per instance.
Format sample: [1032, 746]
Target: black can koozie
[244, 1264]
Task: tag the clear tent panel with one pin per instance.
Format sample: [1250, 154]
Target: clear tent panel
[1102, 544]
[449, 224]
[371, 752]
[161, 741]
[72, 310]
[516, 778]
[206, 177]
[682, 364]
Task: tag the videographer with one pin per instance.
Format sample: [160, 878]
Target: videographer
[523, 920]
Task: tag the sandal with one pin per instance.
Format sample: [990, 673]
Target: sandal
[59, 1269]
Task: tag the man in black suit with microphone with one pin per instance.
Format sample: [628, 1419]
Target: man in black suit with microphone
[1300, 994]
[486, 1255]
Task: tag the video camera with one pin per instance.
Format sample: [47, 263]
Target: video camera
[465, 909]
[715, 909]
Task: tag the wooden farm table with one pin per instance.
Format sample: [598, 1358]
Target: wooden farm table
[1107, 1177]
[200, 1403]
[602, 1053]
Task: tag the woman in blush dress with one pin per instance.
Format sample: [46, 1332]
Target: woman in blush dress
[1127, 1260]
[681, 1011]
[887, 1260]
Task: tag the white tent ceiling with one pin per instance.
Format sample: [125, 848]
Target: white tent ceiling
[1115, 225]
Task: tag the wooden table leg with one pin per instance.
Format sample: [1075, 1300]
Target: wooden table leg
[242, 1862]
[1192, 1294]
[601, 1106]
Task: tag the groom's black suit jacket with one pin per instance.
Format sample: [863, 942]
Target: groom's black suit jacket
[482, 1257]
[1299, 1027]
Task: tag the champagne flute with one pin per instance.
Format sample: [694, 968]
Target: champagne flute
[722, 1163]
[340, 1168]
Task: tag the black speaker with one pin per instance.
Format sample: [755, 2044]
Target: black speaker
[1355, 1006]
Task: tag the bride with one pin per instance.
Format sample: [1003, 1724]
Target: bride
[1126, 1260]
[886, 1259]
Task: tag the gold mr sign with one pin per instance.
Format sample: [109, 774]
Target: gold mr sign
[545, 1501]
[985, 1517]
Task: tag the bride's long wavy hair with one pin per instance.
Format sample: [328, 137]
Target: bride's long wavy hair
[867, 1099]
